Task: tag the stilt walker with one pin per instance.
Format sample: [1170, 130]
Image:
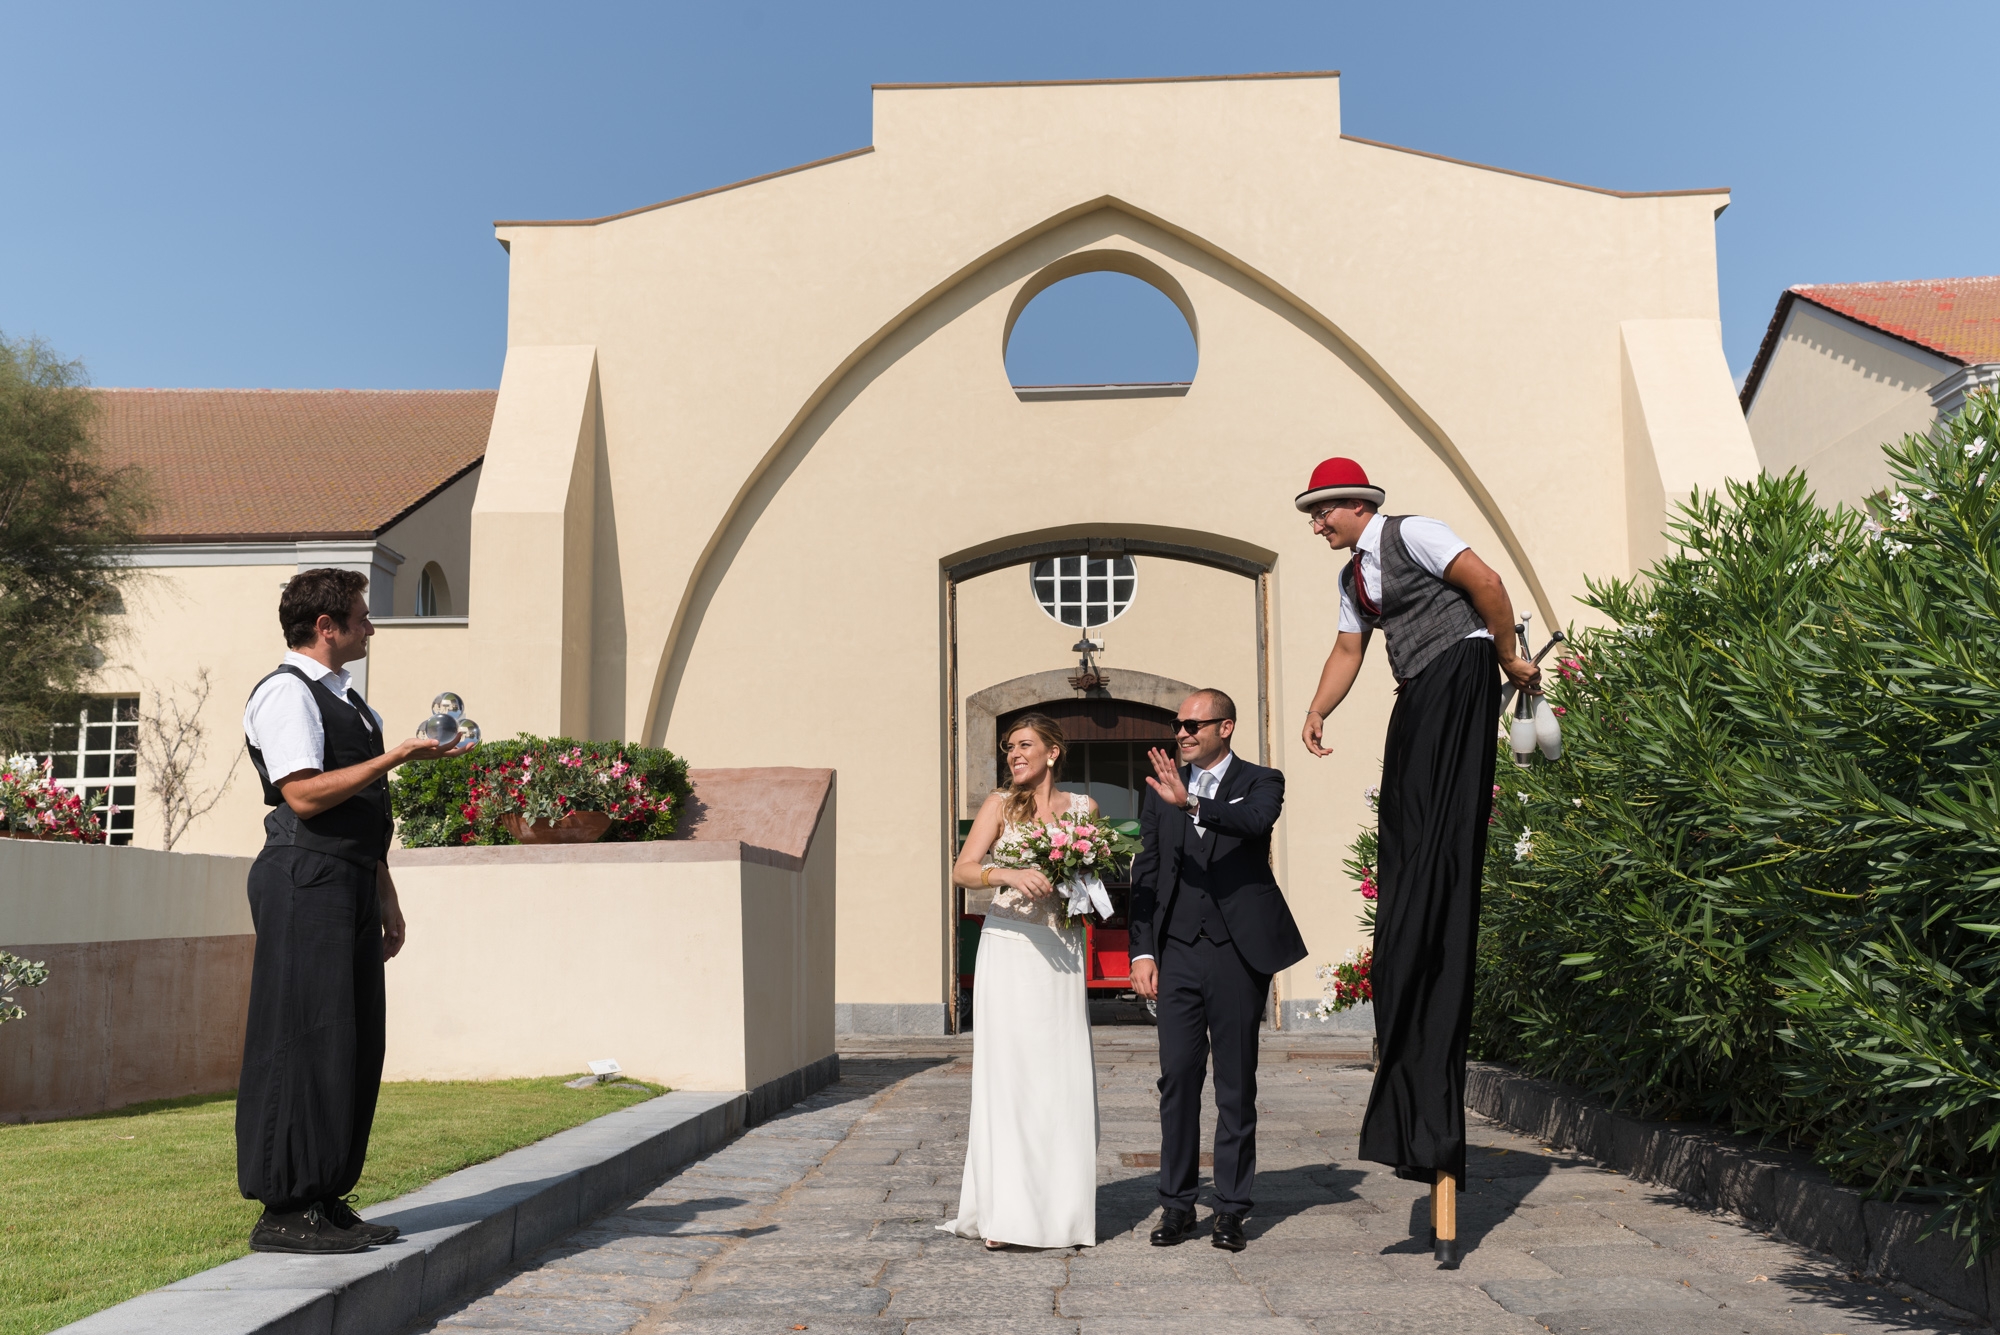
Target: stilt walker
[1449, 624]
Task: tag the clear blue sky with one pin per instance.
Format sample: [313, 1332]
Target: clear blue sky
[292, 195]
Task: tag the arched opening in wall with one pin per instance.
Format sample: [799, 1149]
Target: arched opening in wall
[1101, 334]
[433, 594]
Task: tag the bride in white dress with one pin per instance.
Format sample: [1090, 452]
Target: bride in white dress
[1031, 1151]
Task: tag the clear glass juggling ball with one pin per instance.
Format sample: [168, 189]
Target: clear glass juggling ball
[468, 732]
[448, 702]
[439, 728]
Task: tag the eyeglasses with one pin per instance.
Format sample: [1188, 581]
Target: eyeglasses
[1193, 726]
[1319, 516]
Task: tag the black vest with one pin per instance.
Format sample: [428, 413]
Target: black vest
[357, 830]
[1194, 910]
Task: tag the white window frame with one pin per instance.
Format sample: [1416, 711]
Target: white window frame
[106, 739]
[1095, 590]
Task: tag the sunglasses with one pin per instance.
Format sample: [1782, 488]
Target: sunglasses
[1193, 726]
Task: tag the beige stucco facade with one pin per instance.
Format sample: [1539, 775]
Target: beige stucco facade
[1833, 392]
[755, 453]
[742, 440]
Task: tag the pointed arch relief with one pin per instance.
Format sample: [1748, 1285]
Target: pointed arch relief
[1101, 234]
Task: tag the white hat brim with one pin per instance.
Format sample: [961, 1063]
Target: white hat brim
[1307, 500]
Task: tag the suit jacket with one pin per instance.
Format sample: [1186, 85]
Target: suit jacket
[1232, 861]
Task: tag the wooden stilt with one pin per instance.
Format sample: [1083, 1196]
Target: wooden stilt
[1444, 1205]
[1444, 1220]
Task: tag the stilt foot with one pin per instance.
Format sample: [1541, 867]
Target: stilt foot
[1445, 1250]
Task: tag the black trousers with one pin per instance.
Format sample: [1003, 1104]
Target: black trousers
[1210, 1001]
[312, 1053]
[1437, 792]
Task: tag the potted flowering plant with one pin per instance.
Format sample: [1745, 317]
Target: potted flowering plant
[34, 806]
[541, 790]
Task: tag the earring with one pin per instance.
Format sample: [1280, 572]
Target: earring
[1052, 762]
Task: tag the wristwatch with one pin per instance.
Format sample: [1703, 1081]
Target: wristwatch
[1193, 807]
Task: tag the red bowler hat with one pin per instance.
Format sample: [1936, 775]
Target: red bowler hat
[1338, 479]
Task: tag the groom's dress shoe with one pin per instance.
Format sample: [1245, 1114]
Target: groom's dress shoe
[1174, 1226]
[1228, 1233]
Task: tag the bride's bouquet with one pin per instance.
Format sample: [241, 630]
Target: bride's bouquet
[1074, 852]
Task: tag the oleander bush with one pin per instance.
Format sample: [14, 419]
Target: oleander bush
[1763, 884]
[460, 799]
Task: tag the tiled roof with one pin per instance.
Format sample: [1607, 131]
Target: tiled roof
[1955, 318]
[280, 464]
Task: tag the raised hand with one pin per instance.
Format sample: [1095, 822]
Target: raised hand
[1166, 779]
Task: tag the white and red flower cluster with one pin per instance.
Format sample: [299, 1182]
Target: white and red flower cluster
[33, 803]
[551, 784]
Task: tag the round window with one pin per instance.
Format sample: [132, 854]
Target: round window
[1084, 590]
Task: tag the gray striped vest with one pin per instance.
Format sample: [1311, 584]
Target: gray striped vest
[1421, 615]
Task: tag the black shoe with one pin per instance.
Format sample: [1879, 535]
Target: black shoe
[1228, 1233]
[343, 1216]
[1174, 1225]
[306, 1232]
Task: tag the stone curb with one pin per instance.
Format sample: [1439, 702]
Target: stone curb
[460, 1230]
[1768, 1186]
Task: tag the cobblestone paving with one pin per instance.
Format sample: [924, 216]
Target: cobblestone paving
[824, 1220]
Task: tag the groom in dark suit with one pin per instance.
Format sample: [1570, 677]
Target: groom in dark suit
[1209, 929]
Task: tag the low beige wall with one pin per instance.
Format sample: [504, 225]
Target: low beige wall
[149, 976]
[702, 963]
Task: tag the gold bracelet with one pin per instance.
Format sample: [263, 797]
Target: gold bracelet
[985, 877]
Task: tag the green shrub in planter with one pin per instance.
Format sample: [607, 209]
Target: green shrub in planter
[460, 800]
[1763, 883]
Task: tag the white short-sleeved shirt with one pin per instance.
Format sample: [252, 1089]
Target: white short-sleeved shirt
[282, 719]
[1431, 544]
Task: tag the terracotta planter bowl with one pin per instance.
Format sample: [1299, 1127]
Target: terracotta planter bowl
[579, 827]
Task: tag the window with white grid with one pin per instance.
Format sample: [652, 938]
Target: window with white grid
[1084, 590]
[98, 756]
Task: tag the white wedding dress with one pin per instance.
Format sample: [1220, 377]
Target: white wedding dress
[1031, 1151]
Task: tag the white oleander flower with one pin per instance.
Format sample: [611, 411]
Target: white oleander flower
[1976, 448]
[1576, 801]
[1900, 508]
[1524, 847]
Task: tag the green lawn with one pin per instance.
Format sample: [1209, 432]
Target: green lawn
[95, 1210]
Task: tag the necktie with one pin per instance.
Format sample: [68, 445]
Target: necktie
[1368, 605]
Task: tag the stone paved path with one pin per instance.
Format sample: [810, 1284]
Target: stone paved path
[823, 1220]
